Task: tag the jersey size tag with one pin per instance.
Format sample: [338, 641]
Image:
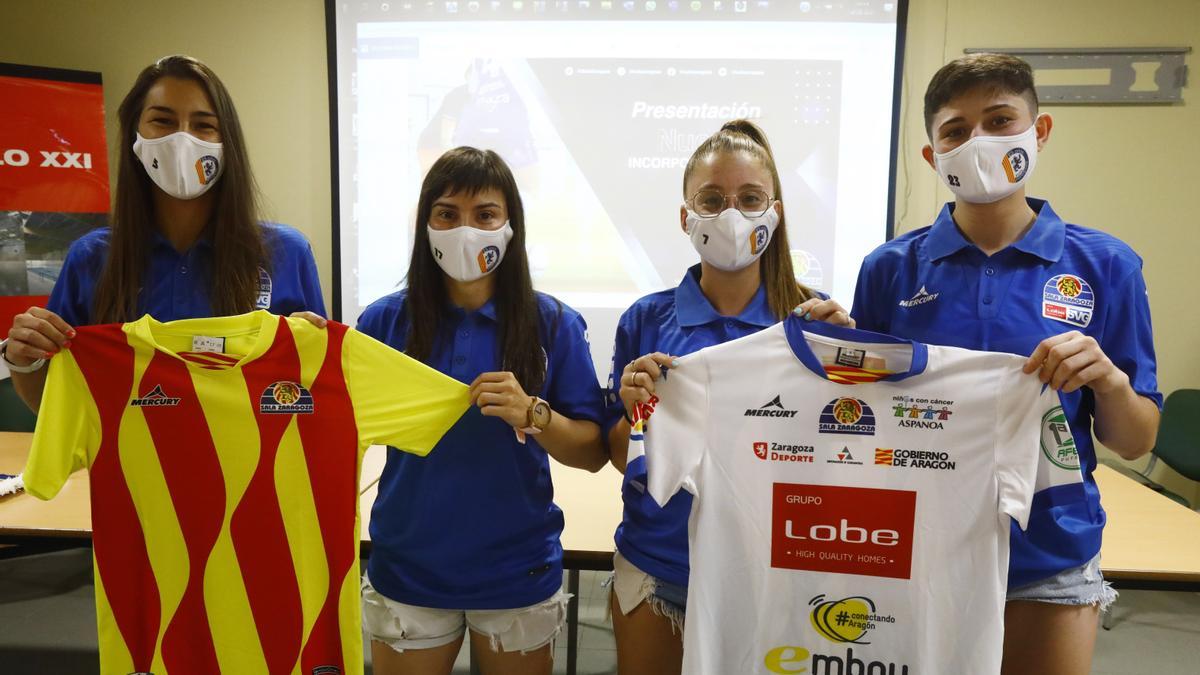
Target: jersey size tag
[204, 343]
[850, 357]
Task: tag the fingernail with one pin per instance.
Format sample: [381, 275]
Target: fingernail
[46, 355]
[67, 344]
[808, 316]
[71, 333]
[675, 363]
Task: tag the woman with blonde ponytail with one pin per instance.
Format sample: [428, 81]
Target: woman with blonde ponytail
[733, 213]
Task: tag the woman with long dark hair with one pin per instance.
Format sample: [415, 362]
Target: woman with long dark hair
[468, 537]
[185, 239]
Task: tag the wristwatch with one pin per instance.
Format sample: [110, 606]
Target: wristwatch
[36, 365]
[537, 418]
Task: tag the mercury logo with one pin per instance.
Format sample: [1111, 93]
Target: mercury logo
[156, 398]
[920, 298]
[772, 408]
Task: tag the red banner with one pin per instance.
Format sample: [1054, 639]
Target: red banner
[53, 177]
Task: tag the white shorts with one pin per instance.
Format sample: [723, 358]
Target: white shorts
[402, 626]
[631, 587]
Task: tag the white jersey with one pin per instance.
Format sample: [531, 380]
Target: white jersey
[845, 524]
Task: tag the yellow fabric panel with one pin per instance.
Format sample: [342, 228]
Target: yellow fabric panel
[311, 343]
[350, 611]
[152, 500]
[68, 429]
[302, 525]
[399, 401]
[235, 436]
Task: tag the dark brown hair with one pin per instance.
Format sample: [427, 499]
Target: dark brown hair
[995, 72]
[784, 293]
[520, 348]
[237, 238]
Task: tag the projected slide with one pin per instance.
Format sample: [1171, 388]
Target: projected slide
[597, 107]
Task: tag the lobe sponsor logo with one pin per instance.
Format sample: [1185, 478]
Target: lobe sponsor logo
[843, 530]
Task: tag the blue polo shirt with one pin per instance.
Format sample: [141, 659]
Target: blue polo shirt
[676, 321]
[474, 525]
[176, 285]
[935, 286]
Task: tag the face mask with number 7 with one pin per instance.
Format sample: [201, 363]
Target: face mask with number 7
[731, 241]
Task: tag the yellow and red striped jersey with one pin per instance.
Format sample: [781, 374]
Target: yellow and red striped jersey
[224, 456]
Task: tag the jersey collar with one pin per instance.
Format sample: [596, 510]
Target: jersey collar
[693, 309]
[1044, 240]
[261, 321]
[795, 327]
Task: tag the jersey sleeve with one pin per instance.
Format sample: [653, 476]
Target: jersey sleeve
[574, 391]
[399, 401]
[677, 432]
[1025, 409]
[1128, 339]
[68, 429]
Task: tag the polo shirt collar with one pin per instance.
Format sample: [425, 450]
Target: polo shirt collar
[488, 310]
[1048, 235]
[693, 309]
[160, 242]
[1045, 239]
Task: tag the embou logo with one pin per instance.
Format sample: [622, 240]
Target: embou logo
[844, 530]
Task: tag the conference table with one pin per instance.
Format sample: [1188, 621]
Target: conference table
[591, 502]
[1150, 542]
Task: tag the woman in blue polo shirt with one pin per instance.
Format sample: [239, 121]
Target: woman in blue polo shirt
[1001, 272]
[469, 536]
[185, 240]
[733, 214]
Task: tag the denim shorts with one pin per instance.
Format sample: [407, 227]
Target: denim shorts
[632, 587]
[401, 626]
[1083, 585]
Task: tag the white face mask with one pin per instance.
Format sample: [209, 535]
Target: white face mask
[468, 253]
[184, 166]
[731, 241]
[986, 169]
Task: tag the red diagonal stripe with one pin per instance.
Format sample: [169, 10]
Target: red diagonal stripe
[106, 361]
[193, 474]
[259, 537]
[208, 358]
[330, 439]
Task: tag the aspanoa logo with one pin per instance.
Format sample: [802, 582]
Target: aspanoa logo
[788, 660]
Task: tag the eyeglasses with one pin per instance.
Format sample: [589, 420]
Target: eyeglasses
[710, 203]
